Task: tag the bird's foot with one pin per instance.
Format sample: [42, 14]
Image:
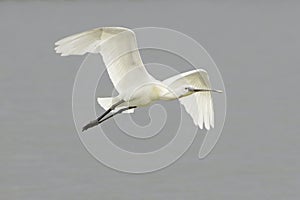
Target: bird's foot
[90, 125]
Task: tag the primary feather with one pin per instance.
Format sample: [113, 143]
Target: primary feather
[199, 105]
[119, 51]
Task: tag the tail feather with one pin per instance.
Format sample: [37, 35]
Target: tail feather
[107, 102]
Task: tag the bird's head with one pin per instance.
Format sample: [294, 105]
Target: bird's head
[180, 91]
[184, 91]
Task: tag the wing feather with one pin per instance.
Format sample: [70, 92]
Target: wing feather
[199, 105]
[119, 50]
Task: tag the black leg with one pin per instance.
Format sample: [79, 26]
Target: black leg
[118, 112]
[109, 110]
[97, 121]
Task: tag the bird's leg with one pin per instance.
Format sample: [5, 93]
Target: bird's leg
[118, 112]
[110, 109]
[97, 121]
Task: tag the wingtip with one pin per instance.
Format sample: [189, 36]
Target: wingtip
[207, 126]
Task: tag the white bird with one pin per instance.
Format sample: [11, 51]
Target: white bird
[136, 87]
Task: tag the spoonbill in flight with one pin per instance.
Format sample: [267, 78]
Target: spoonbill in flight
[136, 87]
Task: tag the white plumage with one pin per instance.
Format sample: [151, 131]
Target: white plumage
[203, 112]
[136, 87]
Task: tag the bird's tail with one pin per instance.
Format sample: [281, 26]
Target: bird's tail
[107, 102]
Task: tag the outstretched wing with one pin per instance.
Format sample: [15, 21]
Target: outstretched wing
[199, 105]
[119, 50]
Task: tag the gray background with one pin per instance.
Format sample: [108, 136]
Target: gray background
[256, 47]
